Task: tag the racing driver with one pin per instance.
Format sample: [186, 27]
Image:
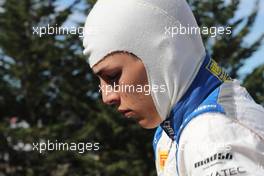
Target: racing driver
[207, 124]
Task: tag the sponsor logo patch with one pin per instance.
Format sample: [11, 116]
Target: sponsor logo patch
[228, 172]
[215, 157]
[217, 71]
[167, 127]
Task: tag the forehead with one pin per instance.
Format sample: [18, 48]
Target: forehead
[114, 59]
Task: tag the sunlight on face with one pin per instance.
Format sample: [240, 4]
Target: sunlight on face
[121, 76]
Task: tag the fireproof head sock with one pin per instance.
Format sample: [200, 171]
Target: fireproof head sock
[148, 29]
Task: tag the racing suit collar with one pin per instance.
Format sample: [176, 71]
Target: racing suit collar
[209, 77]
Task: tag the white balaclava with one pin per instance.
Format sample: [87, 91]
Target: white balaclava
[144, 28]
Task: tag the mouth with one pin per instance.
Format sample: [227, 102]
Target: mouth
[127, 113]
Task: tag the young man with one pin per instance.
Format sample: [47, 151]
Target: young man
[208, 125]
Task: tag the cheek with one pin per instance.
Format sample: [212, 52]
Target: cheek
[139, 102]
[140, 99]
[135, 74]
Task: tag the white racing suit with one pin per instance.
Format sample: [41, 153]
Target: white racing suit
[216, 129]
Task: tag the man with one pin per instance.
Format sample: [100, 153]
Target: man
[208, 125]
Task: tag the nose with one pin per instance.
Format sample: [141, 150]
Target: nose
[111, 97]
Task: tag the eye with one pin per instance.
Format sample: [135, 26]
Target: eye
[112, 77]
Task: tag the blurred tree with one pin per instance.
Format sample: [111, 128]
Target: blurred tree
[255, 84]
[47, 92]
[229, 50]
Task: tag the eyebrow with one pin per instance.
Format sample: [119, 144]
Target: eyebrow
[105, 68]
[100, 71]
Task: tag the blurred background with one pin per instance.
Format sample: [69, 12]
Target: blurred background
[47, 90]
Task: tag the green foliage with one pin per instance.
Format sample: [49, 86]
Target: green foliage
[47, 84]
[229, 50]
[255, 84]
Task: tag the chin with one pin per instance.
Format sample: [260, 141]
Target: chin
[147, 124]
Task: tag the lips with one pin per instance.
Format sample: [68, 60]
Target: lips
[126, 113]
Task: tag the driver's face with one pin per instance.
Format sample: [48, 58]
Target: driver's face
[124, 83]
